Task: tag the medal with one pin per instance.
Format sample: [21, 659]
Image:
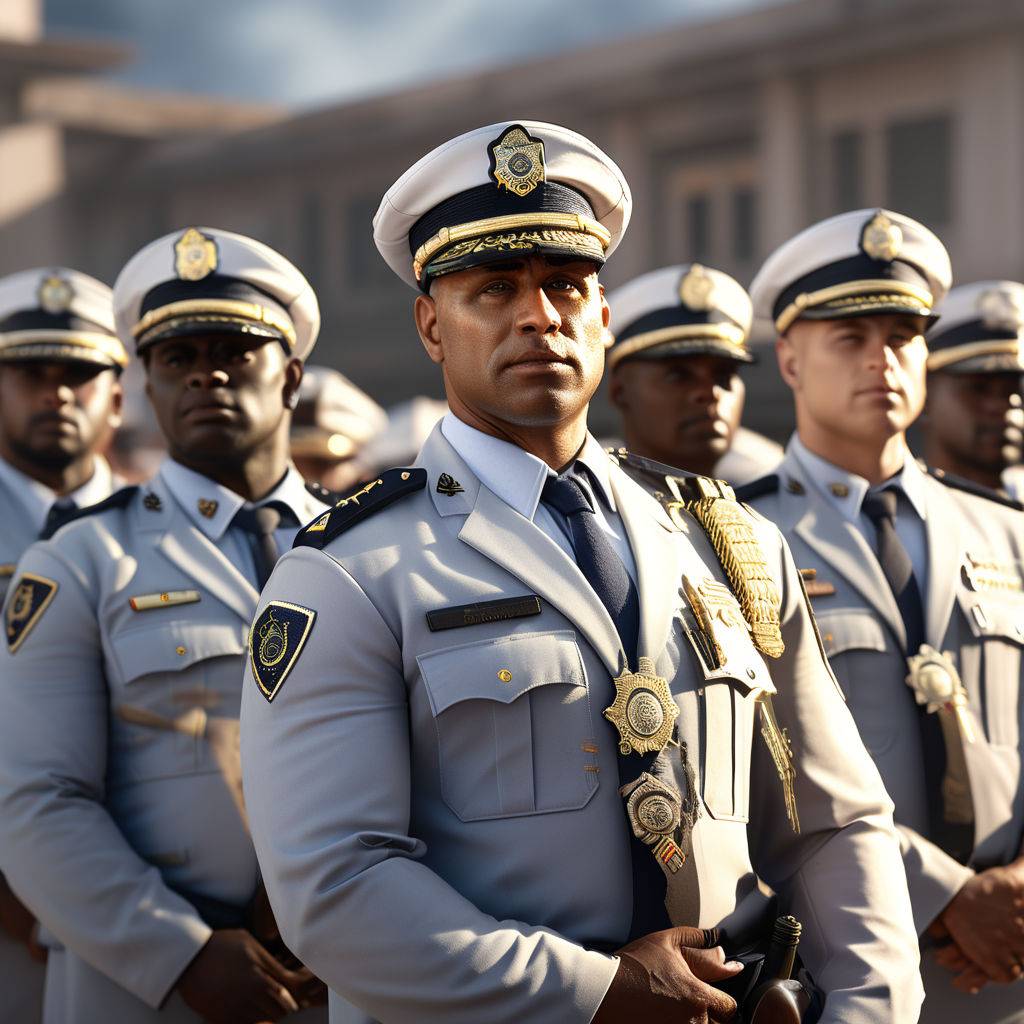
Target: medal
[936, 684]
[655, 814]
[643, 711]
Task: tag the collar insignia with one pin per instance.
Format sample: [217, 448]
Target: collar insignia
[195, 256]
[152, 502]
[881, 239]
[448, 485]
[207, 507]
[275, 643]
[55, 294]
[839, 490]
[29, 599]
[696, 289]
[517, 161]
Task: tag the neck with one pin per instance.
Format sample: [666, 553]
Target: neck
[874, 461]
[60, 479]
[940, 457]
[555, 444]
[252, 475]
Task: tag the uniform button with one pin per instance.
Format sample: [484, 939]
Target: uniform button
[165, 597]
[504, 675]
[179, 650]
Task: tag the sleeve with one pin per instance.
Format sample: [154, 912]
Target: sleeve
[59, 847]
[933, 875]
[326, 769]
[842, 876]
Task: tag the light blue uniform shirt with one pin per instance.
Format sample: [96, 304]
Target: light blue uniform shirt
[37, 499]
[517, 478]
[845, 492]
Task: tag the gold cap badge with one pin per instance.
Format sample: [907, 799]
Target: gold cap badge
[195, 255]
[517, 161]
[881, 238]
[55, 294]
[696, 289]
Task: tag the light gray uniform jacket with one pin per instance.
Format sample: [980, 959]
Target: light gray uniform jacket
[436, 813]
[983, 629]
[119, 775]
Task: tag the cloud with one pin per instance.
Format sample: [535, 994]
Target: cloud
[316, 51]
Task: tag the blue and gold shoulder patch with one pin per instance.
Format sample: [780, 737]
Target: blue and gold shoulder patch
[27, 601]
[275, 643]
[370, 497]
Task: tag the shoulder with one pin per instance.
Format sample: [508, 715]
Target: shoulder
[975, 490]
[758, 488]
[322, 494]
[368, 499]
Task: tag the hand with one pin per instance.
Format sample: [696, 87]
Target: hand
[986, 921]
[234, 980]
[663, 977]
[969, 977]
[18, 922]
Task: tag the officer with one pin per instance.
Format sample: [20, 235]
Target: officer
[60, 401]
[973, 417]
[121, 817]
[455, 670]
[680, 340]
[332, 422]
[916, 583]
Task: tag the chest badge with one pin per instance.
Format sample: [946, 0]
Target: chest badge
[643, 710]
[275, 643]
[936, 684]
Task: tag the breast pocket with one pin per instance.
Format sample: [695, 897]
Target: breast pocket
[174, 646]
[514, 725]
[993, 663]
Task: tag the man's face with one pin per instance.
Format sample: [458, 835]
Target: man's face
[54, 413]
[977, 417]
[682, 410]
[521, 343]
[219, 396]
[860, 379]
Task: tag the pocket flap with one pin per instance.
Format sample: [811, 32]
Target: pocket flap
[500, 669]
[850, 629]
[173, 646]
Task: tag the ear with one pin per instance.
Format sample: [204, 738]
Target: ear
[114, 415]
[292, 379]
[606, 319]
[789, 360]
[425, 315]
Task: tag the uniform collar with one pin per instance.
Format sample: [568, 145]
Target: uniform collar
[196, 493]
[845, 491]
[37, 499]
[516, 476]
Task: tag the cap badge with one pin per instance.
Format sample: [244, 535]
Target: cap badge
[1001, 308]
[881, 239]
[55, 294]
[195, 255]
[517, 161]
[695, 289]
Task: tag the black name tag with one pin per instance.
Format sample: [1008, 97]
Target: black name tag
[484, 611]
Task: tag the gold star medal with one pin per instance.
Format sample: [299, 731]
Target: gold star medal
[643, 710]
[936, 684]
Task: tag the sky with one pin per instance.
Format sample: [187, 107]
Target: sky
[306, 53]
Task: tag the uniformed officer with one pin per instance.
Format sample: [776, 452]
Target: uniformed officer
[916, 583]
[680, 339]
[455, 670]
[332, 421]
[973, 416]
[60, 400]
[121, 817]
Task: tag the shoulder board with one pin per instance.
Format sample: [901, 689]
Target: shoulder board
[119, 499]
[959, 483]
[692, 484]
[322, 494]
[765, 485]
[370, 497]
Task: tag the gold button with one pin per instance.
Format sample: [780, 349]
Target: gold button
[505, 676]
[179, 650]
[165, 597]
[405, 476]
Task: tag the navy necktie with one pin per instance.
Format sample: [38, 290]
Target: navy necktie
[601, 565]
[259, 524]
[60, 511]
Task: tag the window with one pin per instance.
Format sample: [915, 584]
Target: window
[744, 224]
[698, 228]
[847, 171]
[918, 168]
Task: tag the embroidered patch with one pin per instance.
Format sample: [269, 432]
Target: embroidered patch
[275, 643]
[29, 599]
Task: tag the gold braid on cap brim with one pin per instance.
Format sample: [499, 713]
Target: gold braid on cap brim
[970, 350]
[731, 334]
[213, 311]
[856, 296]
[513, 231]
[46, 343]
[728, 528]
